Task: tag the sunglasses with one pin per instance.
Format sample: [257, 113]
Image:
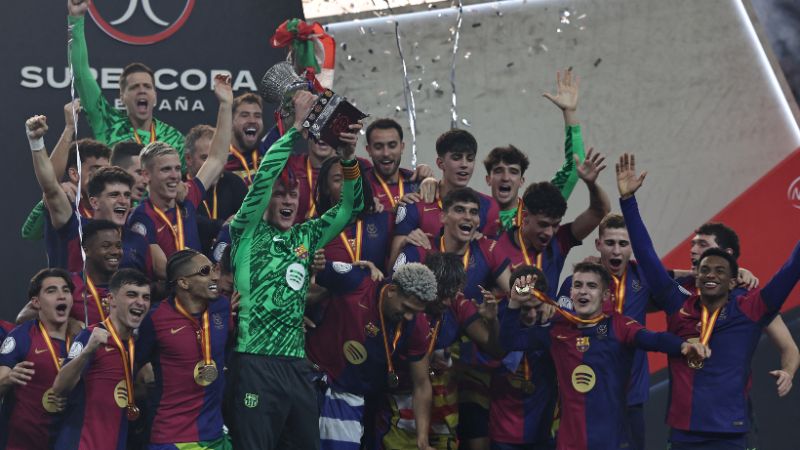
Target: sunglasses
[204, 271]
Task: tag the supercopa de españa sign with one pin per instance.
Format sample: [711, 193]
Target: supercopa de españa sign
[111, 26]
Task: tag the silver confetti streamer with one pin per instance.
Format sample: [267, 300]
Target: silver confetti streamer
[457, 35]
[408, 93]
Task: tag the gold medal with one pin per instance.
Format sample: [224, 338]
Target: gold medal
[695, 364]
[48, 402]
[393, 380]
[133, 412]
[205, 374]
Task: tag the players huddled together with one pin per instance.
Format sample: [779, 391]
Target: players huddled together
[227, 289]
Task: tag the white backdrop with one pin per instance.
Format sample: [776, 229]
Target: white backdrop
[682, 83]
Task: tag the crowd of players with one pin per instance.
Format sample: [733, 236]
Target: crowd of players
[220, 290]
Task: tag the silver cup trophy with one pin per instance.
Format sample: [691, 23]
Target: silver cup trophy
[330, 116]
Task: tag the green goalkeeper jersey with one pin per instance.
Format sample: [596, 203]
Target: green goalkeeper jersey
[109, 125]
[272, 267]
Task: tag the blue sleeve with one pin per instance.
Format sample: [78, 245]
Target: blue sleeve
[142, 224]
[667, 294]
[658, 342]
[778, 288]
[223, 240]
[564, 299]
[78, 345]
[514, 337]
[15, 346]
[410, 253]
[340, 277]
[406, 220]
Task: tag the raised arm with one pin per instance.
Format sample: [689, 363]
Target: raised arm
[777, 290]
[665, 291]
[566, 99]
[599, 204]
[96, 106]
[218, 155]
[54, 198]
[257, 199]
[351, 201]
[513, 336]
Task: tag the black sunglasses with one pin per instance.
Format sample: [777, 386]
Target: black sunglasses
[204, 271]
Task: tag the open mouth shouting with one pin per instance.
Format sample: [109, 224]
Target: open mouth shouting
[465, 230]
[120, 214]
[286, 213]
[62, 310]
[142, 106]
[137, 313]
[615, 264]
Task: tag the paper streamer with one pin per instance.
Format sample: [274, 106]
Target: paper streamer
[408, 94]
[80, 174]
[457, 35]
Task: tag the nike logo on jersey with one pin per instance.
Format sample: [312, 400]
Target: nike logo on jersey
[109, 349]
[429, 209]
[40, 350]
[277, 239]
[176, 330]
[161, 229]
[684, 312]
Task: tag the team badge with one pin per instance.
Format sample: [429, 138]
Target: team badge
[583, 378]
[565, 302]
[636, 285]
[371, 329]
[582, 343]
[354, 352]
[372, 230]
[121, 394]
[602, 331]
[301, 252]
[250, 400]
[218, 323]
[723, 314]
[8, 345]
[401, 214]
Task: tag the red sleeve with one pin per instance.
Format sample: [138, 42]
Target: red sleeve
[465, 311]
[625, 328]
[753, 306]
[196, 192]
[419, 340]
[496, 261]
[565, 239]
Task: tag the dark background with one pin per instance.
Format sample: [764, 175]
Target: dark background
[231, 35]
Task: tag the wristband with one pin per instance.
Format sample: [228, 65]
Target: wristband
[350, 169]
[36, 144]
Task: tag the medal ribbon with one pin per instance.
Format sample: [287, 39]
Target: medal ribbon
[525, 251]
[567, 315]
[177, 235]
[312, 207]
[620, 291]
[86, 212]
[398, 330]
[526, 368]
[707, 322]
[518, 217]
[127, 360]
[205, 331]
[233, 151]
[50, 346]
[464, 259]
[212, 212]
[152, 133]
[434, 335]
[96, 297]
[389, 191]
[355, 253]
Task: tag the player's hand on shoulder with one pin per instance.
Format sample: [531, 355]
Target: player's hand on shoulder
[421, 172]
[428, 189]
[419, 238]
[746, 279]
[374, 273]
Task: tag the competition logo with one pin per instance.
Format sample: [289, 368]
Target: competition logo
[372, 230]
[582, 343]
[121, 394]
[147, 27]
[583, 379]
[354, 352]
[793, 194]
[8, 345]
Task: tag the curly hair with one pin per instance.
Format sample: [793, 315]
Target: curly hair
[449, 271]
[544, 198]
[416, 280]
